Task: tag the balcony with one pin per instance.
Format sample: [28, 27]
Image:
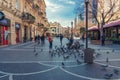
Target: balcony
[3, 4]
[35, 6]
[40, 13]
[30, 1]
[40, 25]
[27, 17]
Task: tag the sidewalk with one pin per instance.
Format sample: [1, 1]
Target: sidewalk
[56, 41]
[106, 47]
[4, 46]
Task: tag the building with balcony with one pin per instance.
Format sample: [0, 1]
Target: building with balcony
[24, 19]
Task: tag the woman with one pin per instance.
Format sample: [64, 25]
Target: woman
[50, 39]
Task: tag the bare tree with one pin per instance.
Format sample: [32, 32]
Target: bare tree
[106, 10]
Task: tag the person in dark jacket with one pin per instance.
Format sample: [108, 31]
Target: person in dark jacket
[42, 39]
[103, 40]
[61, 38]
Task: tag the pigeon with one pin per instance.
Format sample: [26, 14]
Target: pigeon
[41, 50]
[36, 54]
[113, 50]
[78, 61]
[63, 64]
[116, 71]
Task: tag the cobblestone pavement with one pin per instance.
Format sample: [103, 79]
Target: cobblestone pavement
[20, 62]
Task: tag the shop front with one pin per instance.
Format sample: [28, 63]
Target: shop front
[4, 31]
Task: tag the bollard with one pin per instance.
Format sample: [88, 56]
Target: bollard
[88, 55]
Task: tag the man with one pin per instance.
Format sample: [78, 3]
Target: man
[103, 40]
[61, 38]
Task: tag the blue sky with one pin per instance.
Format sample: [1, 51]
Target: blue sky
[62, 11]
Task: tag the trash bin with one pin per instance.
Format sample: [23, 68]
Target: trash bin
[88, 55]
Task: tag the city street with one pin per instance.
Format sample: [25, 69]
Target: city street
[20, 62]
[59, 40]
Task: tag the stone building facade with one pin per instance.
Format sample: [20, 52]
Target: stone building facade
[24, 19]
[55, 28]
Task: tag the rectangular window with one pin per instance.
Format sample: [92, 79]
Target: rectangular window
[17, 4]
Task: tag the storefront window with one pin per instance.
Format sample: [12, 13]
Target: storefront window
[0, 35]
[119, 32]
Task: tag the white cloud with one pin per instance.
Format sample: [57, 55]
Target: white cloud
[53, 7]
[64, 22]
[82, 4]
[71, 2]
[57, 11]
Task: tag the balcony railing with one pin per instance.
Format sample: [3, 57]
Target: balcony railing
[4, 5]
[40, 13]
[40, 25]
[30, 1]
[27, 17]
[35, 6]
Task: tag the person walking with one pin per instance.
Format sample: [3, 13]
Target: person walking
[50, 39]
[61, 38]
[71, 40]
[38, 39]
[42, 39]
[83, 37]
[103, 39]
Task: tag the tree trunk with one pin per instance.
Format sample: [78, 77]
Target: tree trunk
[101, 30]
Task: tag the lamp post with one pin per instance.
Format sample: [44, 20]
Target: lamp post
[86, 6]
[72, 29]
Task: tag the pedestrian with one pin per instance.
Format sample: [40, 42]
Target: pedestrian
[83, 37]
[38, 39]
[61, 38]
[70, 42]
[35, 39]
[50, 40]
[42, 39]
[103, 40]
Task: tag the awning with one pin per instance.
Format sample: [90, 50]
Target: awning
[93, 28]
[112, 24]
[5, 22]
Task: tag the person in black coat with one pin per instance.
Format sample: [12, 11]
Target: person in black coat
[103, 40]
[61, 38]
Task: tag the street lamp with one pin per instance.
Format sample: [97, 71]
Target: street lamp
[72, 29]
[86, 6]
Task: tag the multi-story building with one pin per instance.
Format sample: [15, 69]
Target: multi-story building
[108, 16]
[55, 28]
[24, 19]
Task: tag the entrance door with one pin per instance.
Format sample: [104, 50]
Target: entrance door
[17, 36]
[5, 35]
[25, 34]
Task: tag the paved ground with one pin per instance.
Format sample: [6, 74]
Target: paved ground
[19, 62]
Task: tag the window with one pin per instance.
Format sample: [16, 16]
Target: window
[17, 4]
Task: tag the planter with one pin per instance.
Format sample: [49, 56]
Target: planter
[116, 42]
[98, 42]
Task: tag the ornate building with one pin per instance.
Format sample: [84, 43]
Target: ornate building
[24, 19]
[55, 28]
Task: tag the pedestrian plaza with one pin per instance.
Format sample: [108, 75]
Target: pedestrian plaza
[28, 61]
